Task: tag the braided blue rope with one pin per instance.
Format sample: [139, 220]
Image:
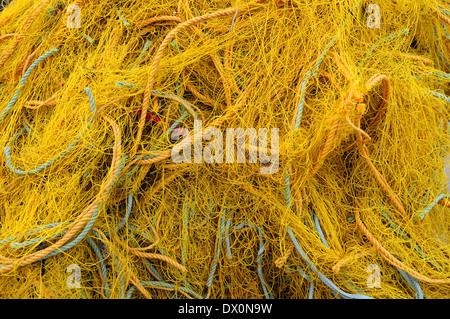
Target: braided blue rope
[135, 244]
[27, 128]
[121, 279]
[34, 230]
[287, 190]
[128, 85]
[152, 268]
[176, 123]
[442, 75]
[18, 245]
[427, 209]
[318, 228]
[125, 218]
[316, 223]
[7, 149]
[299, 111]
[142, 54]
[444, 11]
[103, 270]
[311, 290]
[88, 226]
[87, 37]
[439, 96]
[262, 246]
[227, 237]
[23, 81]
[324, 279]
[378, 43]
[444, 27]
[407, 237]
[413, 282]
[185, 237]
[298, 118]
[176, 46]
[185, 232]
[124, 21]
[310, 74]
[441, 56]
[219, 246]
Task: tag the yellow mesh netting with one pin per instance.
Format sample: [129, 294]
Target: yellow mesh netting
[92, 204]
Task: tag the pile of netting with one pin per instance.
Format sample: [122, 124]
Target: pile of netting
[99, 98]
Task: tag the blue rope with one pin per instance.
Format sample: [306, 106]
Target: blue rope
[142, 54]
[27, 243]
[311, 290]
[413, 282]
[298, 119]
[426, 210]
[124, 21]
[287, 191]
[125, 218]
[176, 123]
[89, 225]
[37, 229]
[87, 37]
[378, 43]
[441, 56]
[310, 74]
[262, 246]
[121, 279]
[439, 96]
[104, 272]
[319, 229]
[7, 149]
[227, 237]
[185, 232]
[152, 268]
[324, 279]
[444, 27]
[444, 11]
[216, 257]
[23, 81]
[407, 237]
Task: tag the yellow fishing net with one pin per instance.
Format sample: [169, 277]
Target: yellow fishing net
[93, 204]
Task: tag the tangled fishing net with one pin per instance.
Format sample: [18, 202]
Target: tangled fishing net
[92, 204]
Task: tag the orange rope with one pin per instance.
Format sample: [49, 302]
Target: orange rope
[337, 267]
[371, 83]
[391, 259]
[335, 123]
[160, 18]
[6, 36]
[379, 178]
[157, 59]
[84, 217]
[35, 11]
